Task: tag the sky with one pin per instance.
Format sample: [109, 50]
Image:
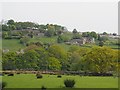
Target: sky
[84, 16]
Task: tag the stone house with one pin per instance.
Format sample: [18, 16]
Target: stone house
[81, 41]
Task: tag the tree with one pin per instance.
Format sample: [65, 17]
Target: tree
[30, 60]
[4, 34]
[73, 48]
[5, 28]
[104, 33]
[99, 38]
[58, 52]
[54, 63]
[12, 27]
[75, 31]
[114, 34]
[24, 40]
[99, 59]
[74, 60]
[43, 58]
[86, 34]
[8, 60]
[101, 43]
[62, 38]
[93, 34]
[10, 22]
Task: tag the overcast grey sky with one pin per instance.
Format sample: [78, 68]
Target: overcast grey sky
[84, 16]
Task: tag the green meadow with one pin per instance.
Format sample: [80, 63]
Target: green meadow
[51, 81]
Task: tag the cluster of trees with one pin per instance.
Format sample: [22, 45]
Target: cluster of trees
[49, 29]
[54, 57]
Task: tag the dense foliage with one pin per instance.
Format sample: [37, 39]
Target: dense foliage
[54, 57]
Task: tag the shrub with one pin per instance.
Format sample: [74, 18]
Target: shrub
[39, 76]
[10, 74]
[43, 88]
[69, 83]
[59, 76]
[17, 73]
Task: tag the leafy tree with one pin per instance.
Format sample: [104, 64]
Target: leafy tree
[101, 43]
[86, 34]
[104, 33]
[99, 38]
[12, 27]
[4, 34]
[43, 58]
[24, 40]
[114, 34]
[5, 28]
[58, 52]
[30, 59]
[62, 38]
[73, 48]
[54, 64]
[18, 25]
[99, 59]
[74, 60]
[10, 22]
[93, 34]
[75, 31]
[8, 61]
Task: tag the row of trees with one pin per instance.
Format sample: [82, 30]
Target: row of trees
[48, 29]
[54, 57]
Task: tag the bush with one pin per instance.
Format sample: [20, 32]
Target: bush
[69, 83]
[17, 73]
[39, 76]
[10, 74]
[43, 88]
[59, 76]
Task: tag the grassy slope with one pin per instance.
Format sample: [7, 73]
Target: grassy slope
[51, 81]
[14, 44]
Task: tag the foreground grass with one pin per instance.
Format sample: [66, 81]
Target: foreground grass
[51, 81]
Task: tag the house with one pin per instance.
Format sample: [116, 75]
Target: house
[111, 36]
[77, 41]
[81, 41]
[89, 40]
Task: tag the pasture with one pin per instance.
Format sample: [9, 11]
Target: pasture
[51, 81]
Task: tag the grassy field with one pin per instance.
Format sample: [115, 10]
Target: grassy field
[44, 39]
[51, 81]
[12, 44]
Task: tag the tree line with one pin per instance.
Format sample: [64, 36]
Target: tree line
[54, 57]
[48, 29]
